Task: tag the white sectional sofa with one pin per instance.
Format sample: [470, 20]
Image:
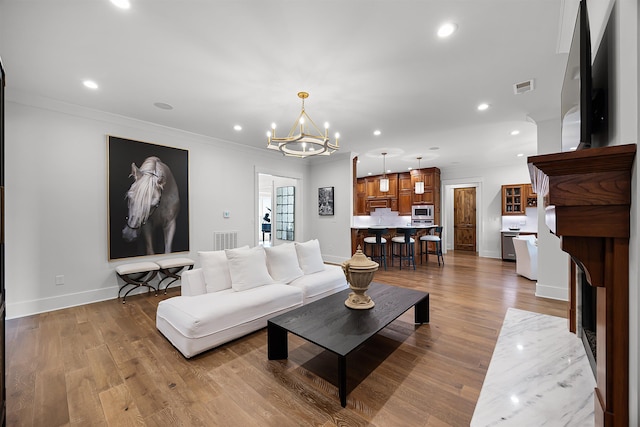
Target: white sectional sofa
[235, 292]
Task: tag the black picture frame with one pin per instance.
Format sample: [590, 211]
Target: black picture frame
[325, 201]
[122, 154]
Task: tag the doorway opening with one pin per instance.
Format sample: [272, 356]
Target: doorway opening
[474, 185]
[464, 219]
[277, 218]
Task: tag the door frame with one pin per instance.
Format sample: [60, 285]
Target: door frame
[297, 181]
[447, 212]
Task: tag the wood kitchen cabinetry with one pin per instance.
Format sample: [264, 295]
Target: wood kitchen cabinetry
[531, 198]
[405, 193]
[401, 195]
[373, 187]
[360, 202]
[431, 179]
[516, 198]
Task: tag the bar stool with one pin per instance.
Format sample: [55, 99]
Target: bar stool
[436, 238]
[407, 242]
[378, 245]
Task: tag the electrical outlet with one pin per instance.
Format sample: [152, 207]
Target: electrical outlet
[59, 280]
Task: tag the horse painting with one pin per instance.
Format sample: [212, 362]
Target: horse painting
[154, 202]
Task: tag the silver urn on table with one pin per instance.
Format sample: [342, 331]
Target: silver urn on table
[359, 271]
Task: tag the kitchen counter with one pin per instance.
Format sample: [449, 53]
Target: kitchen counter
[394, 227]
[359, 233]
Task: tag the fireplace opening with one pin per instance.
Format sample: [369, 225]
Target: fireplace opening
[587, 316]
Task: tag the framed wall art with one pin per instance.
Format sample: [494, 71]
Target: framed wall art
[325, 201]
[148, 198]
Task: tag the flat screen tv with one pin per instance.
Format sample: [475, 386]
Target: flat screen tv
[576, 102]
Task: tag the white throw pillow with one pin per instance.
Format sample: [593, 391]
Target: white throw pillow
[282, 263]
[309, 256]
[215, 270]
[248, 268]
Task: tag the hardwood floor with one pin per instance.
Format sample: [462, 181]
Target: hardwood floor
[105, 364]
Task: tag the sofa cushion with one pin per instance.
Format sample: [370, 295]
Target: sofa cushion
[215, 270]
[203, 315]
[309, 256]
[318, 285]
[247, 268]
[282, 263]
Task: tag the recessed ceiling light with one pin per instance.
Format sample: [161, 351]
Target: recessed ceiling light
[122, 4]
[447, 29]
[410, 168]
[520, 155]
[238, 127]
[515, 132]
[376, 132]
[90, 84]
[369, 173]
[483, 106]
[163, 105]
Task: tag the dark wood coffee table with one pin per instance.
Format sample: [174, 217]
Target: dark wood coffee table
[334, 327]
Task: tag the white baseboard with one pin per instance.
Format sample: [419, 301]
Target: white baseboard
[43, 305]
[552, 292]
[490, 254]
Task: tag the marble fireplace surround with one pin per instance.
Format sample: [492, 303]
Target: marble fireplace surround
[578, 187]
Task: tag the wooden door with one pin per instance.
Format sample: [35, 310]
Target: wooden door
[464, 219]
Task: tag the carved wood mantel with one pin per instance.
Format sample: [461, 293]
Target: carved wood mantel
[587, 197]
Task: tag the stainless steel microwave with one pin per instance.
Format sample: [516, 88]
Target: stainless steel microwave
[422, 212]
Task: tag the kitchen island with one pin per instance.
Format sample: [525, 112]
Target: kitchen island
[359, 233]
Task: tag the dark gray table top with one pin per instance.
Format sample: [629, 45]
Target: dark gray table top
[339, 329]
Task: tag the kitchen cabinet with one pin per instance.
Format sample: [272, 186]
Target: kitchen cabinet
[513, 199]
[372, 184]
[431, 179]
[360, 205]
[405, 193]
[516, 198]
[531, 198]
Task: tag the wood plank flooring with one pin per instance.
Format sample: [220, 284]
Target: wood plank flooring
[105, 364]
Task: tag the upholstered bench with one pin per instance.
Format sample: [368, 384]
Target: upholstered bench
[170, 269]
[137, 274]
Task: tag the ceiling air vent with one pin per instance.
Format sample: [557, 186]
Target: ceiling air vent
[523, 87]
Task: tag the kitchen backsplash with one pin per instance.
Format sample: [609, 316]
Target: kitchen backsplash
[382, 216]
[528, 222]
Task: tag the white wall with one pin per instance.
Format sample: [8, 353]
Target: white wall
[553, 263]
[626, 93]
[56, 198]
[334, 232]
[490, 204]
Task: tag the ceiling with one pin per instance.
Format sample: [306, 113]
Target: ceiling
[367, 65]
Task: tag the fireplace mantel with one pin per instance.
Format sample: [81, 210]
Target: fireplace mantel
[587, 197]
